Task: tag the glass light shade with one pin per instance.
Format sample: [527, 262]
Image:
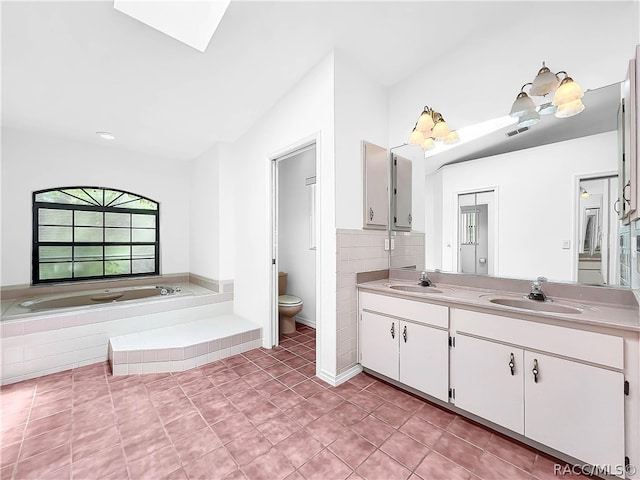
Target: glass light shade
[547, 108]
[441, 130]
[584, 194]
[425, 122]
[544, 83]
[452, 138]
[428, 144]
[416, 137]
[529, 119]
[568, 91]
[570, 109]
[522, 105]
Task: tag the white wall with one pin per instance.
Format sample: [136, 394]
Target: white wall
[294, 255]
[204, 231]
[536, 204]
[305, 113]
[361, 113]
[32, 161]
[480, 81]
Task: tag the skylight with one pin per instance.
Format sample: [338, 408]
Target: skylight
[191, 22]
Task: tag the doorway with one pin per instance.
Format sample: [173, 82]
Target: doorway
[597, 231]
[475, 232]
[294, 238]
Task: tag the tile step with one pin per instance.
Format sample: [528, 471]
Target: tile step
[184, 346]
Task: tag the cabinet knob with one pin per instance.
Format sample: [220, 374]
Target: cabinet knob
[616, 208]
[404, 334]
[624, 192]
[410, 219]
[370, 213]
[535, 370]
[512, 364]
[393, 330]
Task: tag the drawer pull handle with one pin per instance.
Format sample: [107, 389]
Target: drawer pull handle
[535, 370]
[393, 330]
[512, 364]
[404, 334]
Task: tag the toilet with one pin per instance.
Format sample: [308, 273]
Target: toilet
[288, 306]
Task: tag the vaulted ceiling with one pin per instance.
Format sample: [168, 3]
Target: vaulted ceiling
[73, 68]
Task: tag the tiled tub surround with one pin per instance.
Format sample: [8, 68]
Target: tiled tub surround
[182, 347]
[38, 344]
[363, 251]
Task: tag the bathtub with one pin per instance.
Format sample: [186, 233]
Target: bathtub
[96, 297]
[58, 330]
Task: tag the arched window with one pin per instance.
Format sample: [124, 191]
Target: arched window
[82, 233]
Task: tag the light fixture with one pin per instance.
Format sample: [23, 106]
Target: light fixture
[583, 193]
[106, 135]
[431, 127]
[566, 101]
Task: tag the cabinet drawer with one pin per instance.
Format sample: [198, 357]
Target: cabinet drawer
[599, 348]
[420, 312]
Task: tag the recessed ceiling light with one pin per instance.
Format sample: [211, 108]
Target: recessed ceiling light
[106, 135]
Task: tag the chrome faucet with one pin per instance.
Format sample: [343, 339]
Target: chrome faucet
[424, 280]
[536, 290]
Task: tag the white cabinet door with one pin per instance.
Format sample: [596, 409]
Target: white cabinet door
[379, 344]
[424, 359]
[376, 184]
[401, 193]
[575, 408]
[485, 384]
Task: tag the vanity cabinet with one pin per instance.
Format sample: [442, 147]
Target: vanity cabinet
[375, 188]
[560, 387]
[406, 341]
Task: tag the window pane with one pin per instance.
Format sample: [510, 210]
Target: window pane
[87, 253]
[85, 199]
[49, 216]
[87, 269]
[143, 235]
[116, 235]
[88, 234]
[54, 254]
[117, 253]
[117, 219]
[54, 234]
[143, 221]
[50, 271]
[88, 219]
[119, 267]
[144, 266]
[57, 196]
[143, 251]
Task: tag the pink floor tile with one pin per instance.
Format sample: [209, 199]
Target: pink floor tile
[258, 415]
[325, 465]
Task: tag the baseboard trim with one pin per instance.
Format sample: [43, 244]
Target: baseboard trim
[306, 322]
[335, 380]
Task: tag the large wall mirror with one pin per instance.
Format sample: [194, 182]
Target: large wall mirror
[524, 203]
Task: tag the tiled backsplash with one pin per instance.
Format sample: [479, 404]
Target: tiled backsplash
[408, 250]
[357, 251]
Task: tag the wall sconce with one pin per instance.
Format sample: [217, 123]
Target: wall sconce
[431, 127]
[566, 101]
[584, 194]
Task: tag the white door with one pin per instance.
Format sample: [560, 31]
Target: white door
[488, 381]
[424, 359]
[575, 408]
[379, 344]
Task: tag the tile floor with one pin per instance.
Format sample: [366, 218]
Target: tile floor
[258, 415]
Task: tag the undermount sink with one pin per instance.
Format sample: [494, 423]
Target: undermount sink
[526, 304]
[415, 288]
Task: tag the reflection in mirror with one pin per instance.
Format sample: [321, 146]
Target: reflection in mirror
[597, 226]
[536, 177]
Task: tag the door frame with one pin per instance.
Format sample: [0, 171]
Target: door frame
[302, 145]
[492, 226]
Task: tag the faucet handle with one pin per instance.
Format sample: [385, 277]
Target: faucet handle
[541, 279]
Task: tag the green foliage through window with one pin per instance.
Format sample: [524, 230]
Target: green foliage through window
[84, 233]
